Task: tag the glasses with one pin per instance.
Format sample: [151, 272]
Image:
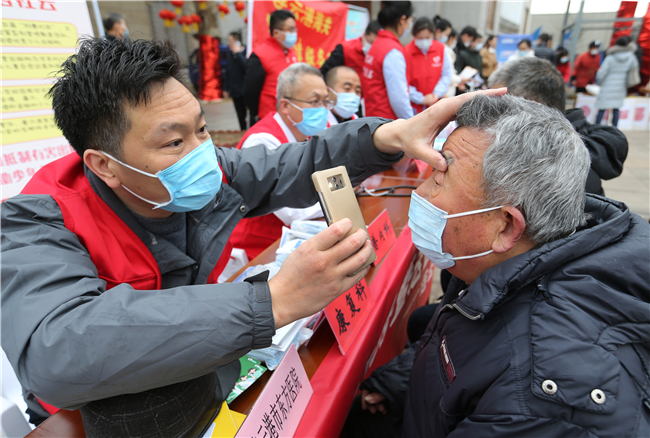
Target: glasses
[327, 104]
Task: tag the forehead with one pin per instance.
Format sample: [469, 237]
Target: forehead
[344, 75]
[288, 23]
[466, 147]
[169, 103]
[311, 85]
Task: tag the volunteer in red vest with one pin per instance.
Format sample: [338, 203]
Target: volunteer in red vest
[303, 104]
[344, 86]
[351, 53]
[109, 253]
[429, 69]
[585, 67]
[384, 78]
[267, 62]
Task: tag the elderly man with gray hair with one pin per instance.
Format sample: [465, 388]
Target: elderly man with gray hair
[544, 329]
[302, 110]
[537, 79]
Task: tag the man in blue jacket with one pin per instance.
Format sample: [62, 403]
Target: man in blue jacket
[544, 329]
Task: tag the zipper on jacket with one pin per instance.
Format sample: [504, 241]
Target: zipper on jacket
[462, 312]
[214, 235]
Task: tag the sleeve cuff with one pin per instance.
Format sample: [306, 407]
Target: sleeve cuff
[263, 321]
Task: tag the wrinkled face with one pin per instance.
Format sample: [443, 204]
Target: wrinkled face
[347, 81]
[162, 132]
[312, 93]
[457, 190]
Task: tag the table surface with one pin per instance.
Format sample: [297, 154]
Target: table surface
[68, 423]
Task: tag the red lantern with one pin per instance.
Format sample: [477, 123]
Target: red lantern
[202, 4]
[178, 4]
[168, 16]
[194, 21]
[185, 22]
[223, 10]
[240, 6]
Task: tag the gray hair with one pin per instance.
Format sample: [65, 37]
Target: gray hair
[289, 79]
[533, 78]
[535, 162]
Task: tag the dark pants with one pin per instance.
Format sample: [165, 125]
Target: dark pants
[600, 114]
[240, 107]
[360, 423]
[581, 90]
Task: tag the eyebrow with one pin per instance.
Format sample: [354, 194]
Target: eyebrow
[162, 129]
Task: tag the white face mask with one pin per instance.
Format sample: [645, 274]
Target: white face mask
[406, 28]
[366, 47]
[424, 44]
[478, 46]
[594, 52]
[427, 223]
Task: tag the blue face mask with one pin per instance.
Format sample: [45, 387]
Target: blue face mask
[290, 39]
[443, 39]
[523, 53]
[314, 120]
[427, 223]
[126, 33]
[192, 182]
[346, 104]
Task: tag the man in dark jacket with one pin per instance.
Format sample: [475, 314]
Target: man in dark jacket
[235, 73]
[110, 255]
[544, 328]
[538, 80]
[543, 48]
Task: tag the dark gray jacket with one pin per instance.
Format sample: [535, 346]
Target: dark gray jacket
[554, 342]
[71, 342]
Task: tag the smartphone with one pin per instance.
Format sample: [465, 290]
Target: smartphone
[337, 199]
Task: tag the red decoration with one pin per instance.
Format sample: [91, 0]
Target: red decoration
[240, 6]
[178, 4]
[185, 21]
[202, 4]
[196, 20]
[223, 10]
[168, 16]
[209, 68]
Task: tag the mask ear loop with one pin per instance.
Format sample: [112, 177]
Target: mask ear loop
[295, 106]
[467, 213]
[155, 204]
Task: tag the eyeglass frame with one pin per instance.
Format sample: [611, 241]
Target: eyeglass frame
[327, 104]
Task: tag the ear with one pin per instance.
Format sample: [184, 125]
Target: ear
[283, 107]
[511, 229]
[102, 166]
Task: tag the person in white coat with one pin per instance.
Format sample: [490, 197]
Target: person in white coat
[612, 77]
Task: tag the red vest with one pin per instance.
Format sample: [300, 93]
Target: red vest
[274, 60]
[353, 55]
[117, 252]
[256, 234]
[424, 71]
[372, 80]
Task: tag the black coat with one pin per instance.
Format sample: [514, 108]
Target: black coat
[607, 148]
[544, 52]
[536, 343]
[235, 73]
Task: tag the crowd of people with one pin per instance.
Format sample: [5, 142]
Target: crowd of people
[111, 255]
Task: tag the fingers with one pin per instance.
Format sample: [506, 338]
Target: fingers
[348, 246]
[432, 157]
[329, 237]
[373, 402]
[364, 404]
[355, 261]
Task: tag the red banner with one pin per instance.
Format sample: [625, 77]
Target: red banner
[644, 42]
[623, 28]
[402, 284]
[321, 26]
